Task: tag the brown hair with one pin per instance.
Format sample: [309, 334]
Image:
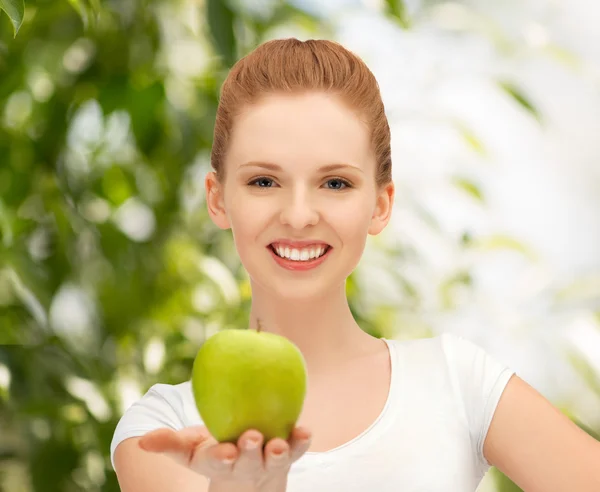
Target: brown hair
[290, 65]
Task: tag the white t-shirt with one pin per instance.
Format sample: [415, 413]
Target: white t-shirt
[428, 438]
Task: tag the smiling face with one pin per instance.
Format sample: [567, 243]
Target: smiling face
[300, 167]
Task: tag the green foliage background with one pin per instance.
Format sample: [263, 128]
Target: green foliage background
[94, 123]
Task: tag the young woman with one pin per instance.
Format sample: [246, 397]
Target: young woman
[302, 174]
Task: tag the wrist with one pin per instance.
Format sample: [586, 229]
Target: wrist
[273, 484]
[276, 483]
[231, 486]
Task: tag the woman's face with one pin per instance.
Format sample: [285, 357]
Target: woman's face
[299, 168]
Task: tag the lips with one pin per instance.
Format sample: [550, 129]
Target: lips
[300, 265]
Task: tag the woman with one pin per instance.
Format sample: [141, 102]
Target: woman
[302, 174]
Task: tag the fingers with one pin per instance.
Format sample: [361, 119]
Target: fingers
[300, 441]
[250, 461]
[168, 440]
[215, 460]
[280, 454]
[277, 455]
[178, 445]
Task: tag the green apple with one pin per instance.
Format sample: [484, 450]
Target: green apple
[247, 379]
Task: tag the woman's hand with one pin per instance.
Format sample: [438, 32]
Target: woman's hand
[250, 462]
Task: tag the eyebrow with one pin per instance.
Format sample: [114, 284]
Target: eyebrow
[276, 167]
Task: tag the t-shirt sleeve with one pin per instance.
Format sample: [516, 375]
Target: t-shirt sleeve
[480, 380]
[158, 408]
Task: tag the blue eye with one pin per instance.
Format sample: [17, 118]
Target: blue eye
[265, 182]
[342, 183]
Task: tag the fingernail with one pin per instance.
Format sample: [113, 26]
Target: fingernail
[277, 454]
[227, 461]
[252, 444]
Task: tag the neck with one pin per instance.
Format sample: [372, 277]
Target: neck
[322, 328]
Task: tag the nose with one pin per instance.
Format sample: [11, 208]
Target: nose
[299, 210]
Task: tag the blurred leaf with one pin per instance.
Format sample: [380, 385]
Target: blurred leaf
[352, 289]
[584, 290]
[449, 286]
[512, 90]
[425, 215]
[471, 139]
[563, 55]
[15, 9]
[466, 238]
[81, 8]
[220, 21]
[586, 428]
[96, 5]
[397, 10]
[503, 483]
[144, 105]
[469, 187]
[88, 10]
[31, 294]
[51, 474]
[117, 185]
[499, 241]
[584, 368]
[287, 13]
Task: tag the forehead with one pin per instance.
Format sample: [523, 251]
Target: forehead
[303, 130]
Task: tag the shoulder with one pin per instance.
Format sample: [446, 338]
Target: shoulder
[468, 366]
[447, 348]
[162, 403]
[475, 377]
[175, 395]
[478, 375]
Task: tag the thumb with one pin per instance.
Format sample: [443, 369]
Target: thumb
[178, 445]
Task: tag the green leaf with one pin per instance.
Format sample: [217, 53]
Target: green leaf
[15, 9]
[584, 289]
[81, 10]
[471, 139]
[88, 11]
[450, 286]
[503, 483]
[500, 242]
[469, 187]
[220, 22]
[584, 368]
[520, 98]
[397, 10]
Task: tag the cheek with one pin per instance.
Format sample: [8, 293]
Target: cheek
[249, 218]
[351, 218]
[243, 201]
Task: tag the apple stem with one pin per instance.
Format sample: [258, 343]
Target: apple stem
[259, 327]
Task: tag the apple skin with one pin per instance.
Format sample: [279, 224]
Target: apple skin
[244, 379]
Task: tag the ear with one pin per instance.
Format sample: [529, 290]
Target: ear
[215, 201]
[383, 209]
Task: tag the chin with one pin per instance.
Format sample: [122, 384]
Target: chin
[304, 291]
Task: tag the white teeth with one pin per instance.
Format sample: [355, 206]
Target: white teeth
[300, 254]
